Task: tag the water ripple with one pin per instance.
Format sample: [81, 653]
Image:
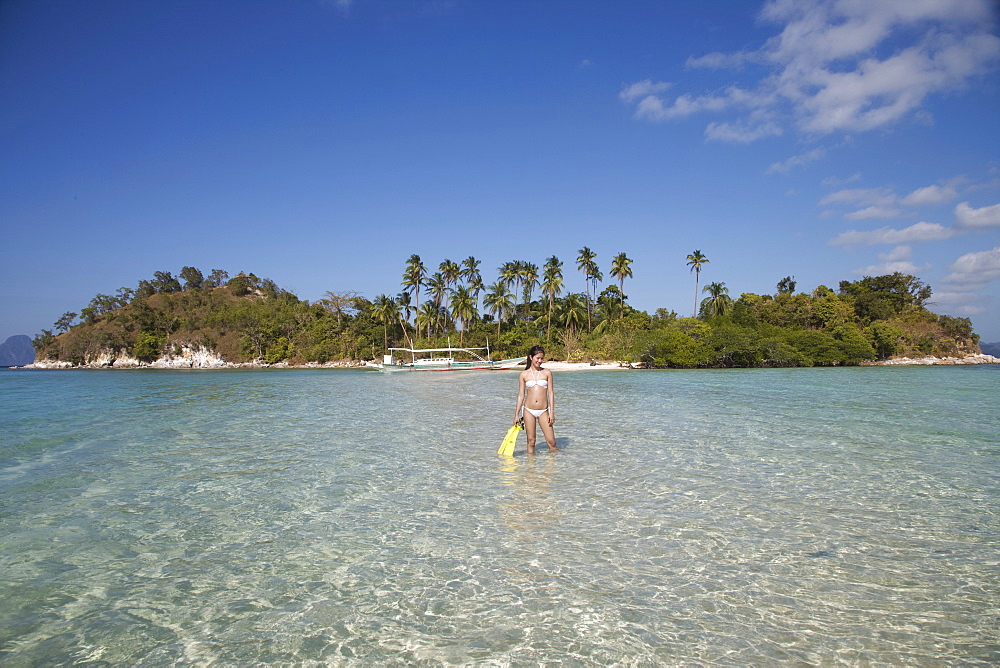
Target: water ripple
[810, 516]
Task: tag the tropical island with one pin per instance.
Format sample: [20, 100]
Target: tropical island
[194, 320]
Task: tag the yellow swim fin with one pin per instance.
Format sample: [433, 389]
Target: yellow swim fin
[509, 441]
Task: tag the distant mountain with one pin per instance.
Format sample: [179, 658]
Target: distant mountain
[991, 348]
[17, 351]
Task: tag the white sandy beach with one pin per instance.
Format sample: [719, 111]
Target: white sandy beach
[583, 366]
[192, 361]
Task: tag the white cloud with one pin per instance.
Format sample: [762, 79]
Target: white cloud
[342, 6]
[881, 92]
[882, 202]
[902, 266]
[653, 107]
[797, 161]
[861, 197]
[934, 194]
[976, 268]
[897, 254]
[887, 235]
[898, 259]
[717, 61]
[960, 302]
[842, 66]
[872, 212]
[966, 216]
[835, 182]
[992, 184]
[741, 133]
[643, 89]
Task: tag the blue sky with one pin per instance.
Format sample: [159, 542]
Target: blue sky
[321, 143]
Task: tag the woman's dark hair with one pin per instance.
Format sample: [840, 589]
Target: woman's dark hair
[531, 353]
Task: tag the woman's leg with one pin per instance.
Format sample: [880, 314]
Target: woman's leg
[529, 430]
[548, 431]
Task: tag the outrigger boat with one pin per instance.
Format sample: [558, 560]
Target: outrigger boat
[443, 359]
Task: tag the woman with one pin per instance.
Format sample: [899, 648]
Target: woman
[536, 397]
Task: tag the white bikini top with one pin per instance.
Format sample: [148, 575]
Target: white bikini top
[536, 381]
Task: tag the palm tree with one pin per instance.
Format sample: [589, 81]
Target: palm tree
[463, 309]
[405, 306]
[427, 316]
[552, 281]
[470, 272]
[528, 275]
[450, 271]
[509, 273]
[438, 287]
[413, 276]
[610, 297]
[476, 285]
[586, 262]
[386, 310]
[500, 301]
[718, 303]
[403, 310]
[621, 269]
[571, 310]
[695, 260]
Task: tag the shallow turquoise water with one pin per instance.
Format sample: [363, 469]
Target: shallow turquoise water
[802, 516]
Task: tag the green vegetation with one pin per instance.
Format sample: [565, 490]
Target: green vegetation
[245, 318]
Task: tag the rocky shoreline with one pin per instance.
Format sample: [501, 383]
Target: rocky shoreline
[938, 361]
[188, 357]
[202, 358]
[55, 364]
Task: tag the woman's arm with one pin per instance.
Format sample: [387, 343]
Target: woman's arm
[520, 397]
[552, 400]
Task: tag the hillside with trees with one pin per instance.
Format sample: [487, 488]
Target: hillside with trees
[248, 319]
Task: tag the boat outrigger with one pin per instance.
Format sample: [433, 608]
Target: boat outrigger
[443, 359]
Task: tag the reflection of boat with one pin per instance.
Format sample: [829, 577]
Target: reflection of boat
[444, 359]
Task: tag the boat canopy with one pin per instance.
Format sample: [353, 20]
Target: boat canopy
[435, 350]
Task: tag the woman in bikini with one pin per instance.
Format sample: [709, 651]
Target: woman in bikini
[536, 397]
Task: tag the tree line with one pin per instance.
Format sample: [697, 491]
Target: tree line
[246, 318]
